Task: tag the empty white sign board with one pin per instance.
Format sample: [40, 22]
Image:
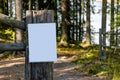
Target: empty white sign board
[42, 42]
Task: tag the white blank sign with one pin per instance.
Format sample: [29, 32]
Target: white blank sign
[42, 42]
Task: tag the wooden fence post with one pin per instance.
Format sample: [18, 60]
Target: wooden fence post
[41, 70]
[102, 45]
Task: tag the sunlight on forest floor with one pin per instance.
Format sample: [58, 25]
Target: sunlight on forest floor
[86, 60]
[9, 69]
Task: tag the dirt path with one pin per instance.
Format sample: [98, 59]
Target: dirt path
[12, 69]
[63, 70]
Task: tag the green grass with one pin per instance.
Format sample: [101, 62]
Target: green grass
[89, 63]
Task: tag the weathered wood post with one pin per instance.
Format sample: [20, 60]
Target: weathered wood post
[40, 70]
[102, 46]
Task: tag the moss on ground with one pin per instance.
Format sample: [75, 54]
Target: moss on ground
[89, 63]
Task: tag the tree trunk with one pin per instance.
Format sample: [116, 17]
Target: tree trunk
[1, 6]
[18, 32]
[112, 38]
[4, 6]
[88, 36]
[30, 5]
[117, 23]
[80, 27]
[73, 27]
[104, 15]
[65, 22]
[76, 19]
[11, 8]
[43, 70]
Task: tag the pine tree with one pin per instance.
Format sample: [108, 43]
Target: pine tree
[65, 22]
[88, 36]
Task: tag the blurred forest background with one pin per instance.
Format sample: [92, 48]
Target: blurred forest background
[74, 30]
[73, 18]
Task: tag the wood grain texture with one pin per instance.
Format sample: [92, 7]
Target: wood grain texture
[42, 70]
[11, 22]
[11, 47]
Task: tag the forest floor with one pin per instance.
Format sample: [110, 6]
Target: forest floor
[64, 69]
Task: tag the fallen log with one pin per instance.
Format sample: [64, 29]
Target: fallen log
[12, 47]
[11, 22]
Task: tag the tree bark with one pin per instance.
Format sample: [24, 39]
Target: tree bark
[88, 37]
[65, 22]
[1, 6]
[43, 70]
[117, 23]
[18, 32]
[30, 5]
[73, 25]
[112, 38]
[80, 25]
[4, 6]
[11, 22]
[11, 8]
[104, 15]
